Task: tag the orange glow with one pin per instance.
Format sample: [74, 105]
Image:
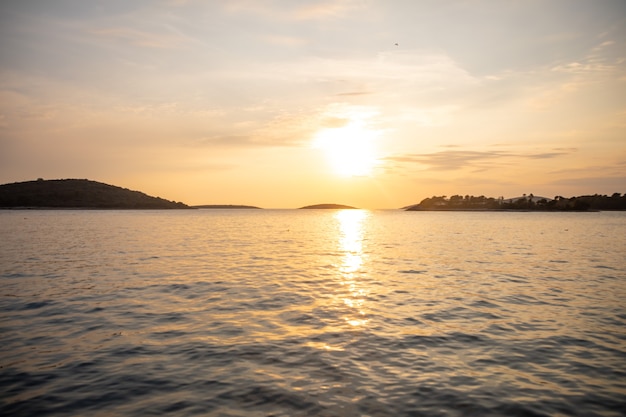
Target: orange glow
[350, 149]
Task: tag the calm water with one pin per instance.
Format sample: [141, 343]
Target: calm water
[312, 313]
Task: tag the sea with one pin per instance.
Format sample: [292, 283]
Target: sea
[251, 313]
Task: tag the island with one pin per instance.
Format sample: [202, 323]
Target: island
[329, 207]
[529, 202]
[78, 194]
[225, 206]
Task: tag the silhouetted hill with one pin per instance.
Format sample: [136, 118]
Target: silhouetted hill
[225, 206]
[328, 206]
[78, 193]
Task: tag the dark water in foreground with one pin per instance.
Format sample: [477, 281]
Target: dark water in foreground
[312, 313]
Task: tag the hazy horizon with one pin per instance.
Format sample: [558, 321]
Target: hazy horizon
[282, 104]
[226, 204]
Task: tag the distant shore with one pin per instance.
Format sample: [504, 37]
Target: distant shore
[516, 210]
[83, 194]
[328, 207]
[529, 202]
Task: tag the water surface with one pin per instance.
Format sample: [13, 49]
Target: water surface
[312, 313]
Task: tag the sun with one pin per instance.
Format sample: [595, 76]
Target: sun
[350, 149]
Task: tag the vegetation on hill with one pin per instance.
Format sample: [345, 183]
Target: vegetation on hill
[582, 203]
[328, 206]
[78, 193]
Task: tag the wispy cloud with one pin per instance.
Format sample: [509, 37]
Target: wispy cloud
[594, 184]
[353, 93]
[223, 140]
[545, 155]
[288, 10]
[615, 169]
[324, 9]
[142, 38]
[283, 40]
[450, 160]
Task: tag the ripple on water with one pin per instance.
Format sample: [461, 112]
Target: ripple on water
[384, 314]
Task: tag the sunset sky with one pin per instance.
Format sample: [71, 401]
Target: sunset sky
[285, 103]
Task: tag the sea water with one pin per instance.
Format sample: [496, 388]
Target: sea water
[312, 313]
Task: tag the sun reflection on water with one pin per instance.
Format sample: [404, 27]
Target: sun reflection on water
[351, 244]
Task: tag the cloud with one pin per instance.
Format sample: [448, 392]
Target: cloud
[450, 160]
[608, 169]
[177, 3]
[583, 67]
[223, 140]
[323, 9]
[141, 38]
[353, 94]
[426, 116]
[283, 40]
[334, 122]
[546, 155]
[264, 128]
[595, 184]
[602, 59]
[399, 82]
[288, 10]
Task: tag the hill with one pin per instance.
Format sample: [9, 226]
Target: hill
[78, 193]
[328, 206]
[615, 201]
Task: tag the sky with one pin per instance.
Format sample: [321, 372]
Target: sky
[287, 103]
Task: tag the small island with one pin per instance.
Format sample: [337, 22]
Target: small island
[225, 206]
[329, 207]
[78, 194]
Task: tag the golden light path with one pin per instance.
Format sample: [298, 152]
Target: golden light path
[351, 243]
